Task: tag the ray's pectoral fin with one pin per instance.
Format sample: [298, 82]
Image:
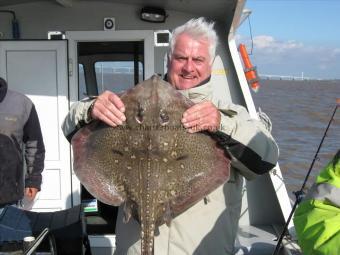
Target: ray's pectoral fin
[91, 151]
[200, 183]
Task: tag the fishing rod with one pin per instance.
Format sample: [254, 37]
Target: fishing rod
[300, 194]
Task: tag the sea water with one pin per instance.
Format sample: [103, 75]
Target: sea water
[300, 112]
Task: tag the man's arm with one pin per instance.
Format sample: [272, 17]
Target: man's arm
[250, 144]
[77, 117]
[107, 107]
[34, 152]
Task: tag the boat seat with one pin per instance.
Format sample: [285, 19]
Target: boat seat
[67, 228]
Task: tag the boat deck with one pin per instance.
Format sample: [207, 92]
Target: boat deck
[262, 240]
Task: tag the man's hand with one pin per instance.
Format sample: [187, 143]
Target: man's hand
[109, 108]
[30, 193]
[202, 116]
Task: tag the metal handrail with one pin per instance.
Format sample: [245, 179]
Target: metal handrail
[38, 241]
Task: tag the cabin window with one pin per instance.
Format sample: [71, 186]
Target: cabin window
[116, 76]
[109, 65]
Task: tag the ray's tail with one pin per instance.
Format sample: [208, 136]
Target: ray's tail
[147, 229]
[147, 215]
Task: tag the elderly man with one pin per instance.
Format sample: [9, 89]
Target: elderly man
[207, 227]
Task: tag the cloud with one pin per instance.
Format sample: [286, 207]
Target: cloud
[336, 53]
[264, 41]
[268, 43]
[292, 57]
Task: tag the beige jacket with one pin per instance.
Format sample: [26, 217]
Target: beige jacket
[210, 226]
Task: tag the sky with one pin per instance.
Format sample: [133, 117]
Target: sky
[294, 37]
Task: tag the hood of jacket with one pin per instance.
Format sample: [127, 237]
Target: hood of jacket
[3, 89]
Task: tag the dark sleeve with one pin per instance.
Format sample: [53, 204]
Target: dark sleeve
[77, 117]
[34, 150]
[248, 141]
[245, 155]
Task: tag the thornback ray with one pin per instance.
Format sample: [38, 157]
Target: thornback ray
[151, 163]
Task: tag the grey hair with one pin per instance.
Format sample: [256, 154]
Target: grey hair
[198, 28]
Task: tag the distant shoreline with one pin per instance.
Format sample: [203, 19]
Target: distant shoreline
[307, 81]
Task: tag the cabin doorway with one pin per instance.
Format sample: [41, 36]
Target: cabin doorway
[99, 61]
[113, 66]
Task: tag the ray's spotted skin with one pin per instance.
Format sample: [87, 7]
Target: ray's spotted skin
[151, 162]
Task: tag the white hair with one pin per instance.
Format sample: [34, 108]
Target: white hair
[198, 28]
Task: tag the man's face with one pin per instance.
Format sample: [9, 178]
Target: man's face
[190, 62]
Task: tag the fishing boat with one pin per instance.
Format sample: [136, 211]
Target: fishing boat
[60, 51]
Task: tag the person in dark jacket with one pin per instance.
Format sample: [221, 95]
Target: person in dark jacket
[20, 139]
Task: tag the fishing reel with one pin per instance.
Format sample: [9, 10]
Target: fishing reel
[299, 195]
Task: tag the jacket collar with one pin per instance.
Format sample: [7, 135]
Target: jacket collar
[201, 92]
[3, 89]
[199, 84]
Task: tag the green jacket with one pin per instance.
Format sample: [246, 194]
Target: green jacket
[317, 219]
